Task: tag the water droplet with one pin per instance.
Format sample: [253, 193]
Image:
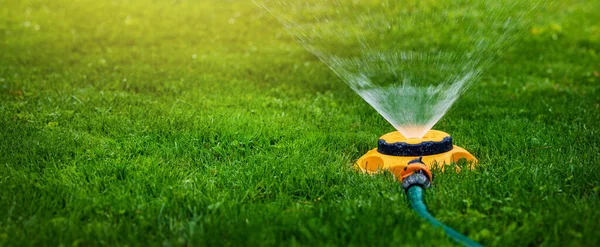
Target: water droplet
[231, 20]
[27, 24]
[37, 27]
[194, 56]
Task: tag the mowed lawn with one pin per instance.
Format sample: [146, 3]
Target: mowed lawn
[194, 123]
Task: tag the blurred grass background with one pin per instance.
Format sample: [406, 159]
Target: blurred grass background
[203, 123]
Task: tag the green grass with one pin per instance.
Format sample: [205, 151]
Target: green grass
[203, 123]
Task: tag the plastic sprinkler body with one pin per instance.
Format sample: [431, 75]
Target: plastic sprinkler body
[395, 152]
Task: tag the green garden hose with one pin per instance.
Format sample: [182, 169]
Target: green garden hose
[415, 197]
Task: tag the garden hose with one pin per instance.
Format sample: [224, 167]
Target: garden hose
[416, 178]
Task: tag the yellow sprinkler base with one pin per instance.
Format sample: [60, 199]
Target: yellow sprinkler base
[394, 152]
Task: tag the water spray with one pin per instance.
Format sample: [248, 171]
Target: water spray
[411, 161]
[385, 52]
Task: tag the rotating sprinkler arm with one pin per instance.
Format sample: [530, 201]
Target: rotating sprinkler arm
[416, 177]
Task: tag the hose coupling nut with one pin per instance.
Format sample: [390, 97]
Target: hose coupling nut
[417, 178]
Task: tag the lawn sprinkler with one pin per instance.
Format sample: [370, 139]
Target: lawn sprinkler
[394, 153]
[411, 161]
